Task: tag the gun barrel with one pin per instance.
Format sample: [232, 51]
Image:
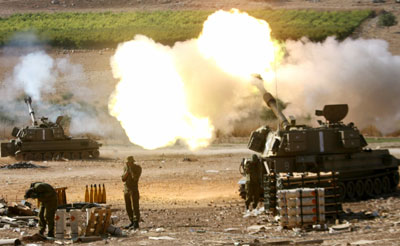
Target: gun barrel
[28, 102]
[271, 102]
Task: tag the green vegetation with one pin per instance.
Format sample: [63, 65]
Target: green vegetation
[387, 19]
[108, 29]
[316, 25]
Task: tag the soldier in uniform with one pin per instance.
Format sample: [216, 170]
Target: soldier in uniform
[130, 177]
[252, 169]
[47, 197]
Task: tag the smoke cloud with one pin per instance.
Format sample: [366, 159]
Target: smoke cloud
[57, 87]
[167, 93]
[34, 74]
[361, 73]
[213, 70]
[211, 92]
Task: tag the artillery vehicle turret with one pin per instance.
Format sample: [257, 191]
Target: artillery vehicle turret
[45, 140]
[332, 155]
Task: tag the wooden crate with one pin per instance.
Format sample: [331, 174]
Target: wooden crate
[98, 221]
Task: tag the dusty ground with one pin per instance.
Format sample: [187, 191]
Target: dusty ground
[195, 202]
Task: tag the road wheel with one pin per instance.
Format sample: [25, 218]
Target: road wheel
[95, 154]
[369, 188]
[38, 157]
[47, 156]
[350, 190]
[85, 155]
[359, 189]
[76, 156]
[386, 185]
[19, 156]
[29, 156]
[342, 191]
[67, 155]
[377, 186]
[57, 156]
[395, 180]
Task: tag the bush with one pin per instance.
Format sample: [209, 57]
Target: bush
[98, 30]
[387, 19]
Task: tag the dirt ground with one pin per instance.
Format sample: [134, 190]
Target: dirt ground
[194, 202]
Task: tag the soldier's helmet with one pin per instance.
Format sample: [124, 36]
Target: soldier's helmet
[130, 159]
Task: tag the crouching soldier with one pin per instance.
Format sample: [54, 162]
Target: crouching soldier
[130, 177]
[253, 181]
[47, 197]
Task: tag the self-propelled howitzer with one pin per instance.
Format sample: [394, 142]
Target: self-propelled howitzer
[46, 140]
[312, 152]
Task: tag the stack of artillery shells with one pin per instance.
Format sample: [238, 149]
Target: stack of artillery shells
[301, 207]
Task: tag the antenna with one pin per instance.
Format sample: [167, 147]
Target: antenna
[276, 85]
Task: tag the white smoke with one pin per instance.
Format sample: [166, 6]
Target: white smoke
[361, 73]
[57, 87]
[212, 93]
[34, 74]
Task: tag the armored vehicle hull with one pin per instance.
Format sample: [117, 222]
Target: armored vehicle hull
[73, 149]
[296, 156]
[359, 176]
[46, 141]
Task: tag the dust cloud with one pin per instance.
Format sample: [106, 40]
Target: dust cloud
[361, 73]
[211, 92]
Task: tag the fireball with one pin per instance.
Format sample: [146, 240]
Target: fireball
[238, 43]
[150, 100]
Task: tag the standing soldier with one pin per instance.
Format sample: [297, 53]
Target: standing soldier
[252, 169]
[47, 197]
[131, 177]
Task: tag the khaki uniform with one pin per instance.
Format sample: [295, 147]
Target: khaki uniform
[131, 177]
[253, 170]
[48, 206]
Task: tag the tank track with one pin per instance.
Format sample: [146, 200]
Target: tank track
[270, 190]
[57, 155]
[368, 186]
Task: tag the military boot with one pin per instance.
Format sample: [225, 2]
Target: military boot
[136, 225]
